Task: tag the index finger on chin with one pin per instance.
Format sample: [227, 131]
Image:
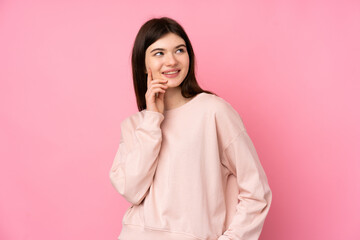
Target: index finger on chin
[149, 78]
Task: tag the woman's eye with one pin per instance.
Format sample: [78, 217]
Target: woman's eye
[161, 53]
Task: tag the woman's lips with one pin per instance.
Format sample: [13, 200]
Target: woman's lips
[172, 75]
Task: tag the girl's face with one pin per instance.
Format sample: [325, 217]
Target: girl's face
[168, 59]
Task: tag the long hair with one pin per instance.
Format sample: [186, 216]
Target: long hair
[150, 32]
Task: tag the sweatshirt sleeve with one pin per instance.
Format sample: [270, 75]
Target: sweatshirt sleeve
[255, 196]
[135, 161]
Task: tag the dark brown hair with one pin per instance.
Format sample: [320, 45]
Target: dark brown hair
[150, 32]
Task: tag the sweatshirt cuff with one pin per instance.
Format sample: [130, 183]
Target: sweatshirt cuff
[152, 119]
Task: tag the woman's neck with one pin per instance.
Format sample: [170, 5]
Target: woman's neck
[173, 98]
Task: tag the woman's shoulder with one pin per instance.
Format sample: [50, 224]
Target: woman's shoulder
[224, 112]
[218, 104]
[132, 120]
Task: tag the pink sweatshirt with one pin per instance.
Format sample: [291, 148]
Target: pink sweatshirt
[191, 173]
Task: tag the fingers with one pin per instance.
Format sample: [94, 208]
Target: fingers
[155, 86]
[149, 78]
[161, 81]
[158, 86]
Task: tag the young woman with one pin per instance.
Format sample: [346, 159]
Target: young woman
[185, 154]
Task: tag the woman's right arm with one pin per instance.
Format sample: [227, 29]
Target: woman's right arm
[135, 161]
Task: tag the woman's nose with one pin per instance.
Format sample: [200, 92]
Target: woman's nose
[171, 59]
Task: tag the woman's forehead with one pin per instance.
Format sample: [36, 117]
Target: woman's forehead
[167, 41]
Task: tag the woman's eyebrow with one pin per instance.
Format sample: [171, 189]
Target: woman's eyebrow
[162, 49]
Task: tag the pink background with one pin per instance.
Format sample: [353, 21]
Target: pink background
[290, 68]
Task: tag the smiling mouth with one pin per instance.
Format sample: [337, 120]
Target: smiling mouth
[172, 72]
